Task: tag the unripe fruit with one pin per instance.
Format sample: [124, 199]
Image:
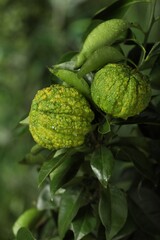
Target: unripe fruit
[28, 219]
[105, 34]
[120, 91]
[99, 58]
[60, 117]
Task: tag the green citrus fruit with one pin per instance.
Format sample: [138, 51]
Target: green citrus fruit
[120, 91]
[27, 219]
[60, 117]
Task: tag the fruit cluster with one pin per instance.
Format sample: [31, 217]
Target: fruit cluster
[60, 115]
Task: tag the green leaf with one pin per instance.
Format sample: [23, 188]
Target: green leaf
[139, 142]
[117, 9]
[37, 155]
[127, 145]
[67, 57]
[128, 228]
[148, 117]
[51, 165]
[55, 238]
[63, 173]
[89, 237]
[119, 177]
[44, 199]
[141, 162]
[155, 74]
[136, 54]
[47, 228]
[25, 121]
[144, 206]
[155, 50]
[72, 199]
[84, 223]
[151, 58]
[102, 163]
[133, 150]
[24, 234]
[69, 65]
[72, 79]
[113, 210]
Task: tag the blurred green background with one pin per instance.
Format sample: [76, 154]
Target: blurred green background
[34, 35]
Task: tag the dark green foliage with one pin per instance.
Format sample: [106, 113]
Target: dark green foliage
[107, 188]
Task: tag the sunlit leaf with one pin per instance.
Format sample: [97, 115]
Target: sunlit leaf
[72, 199]
[24, 234]
[84, 223]
[113, 210]
[102, 164]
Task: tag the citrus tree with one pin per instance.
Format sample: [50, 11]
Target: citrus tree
[96, 132]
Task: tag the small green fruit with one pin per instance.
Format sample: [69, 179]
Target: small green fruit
[120, 91]
[27, 219]
[105, 34]
[60, 117]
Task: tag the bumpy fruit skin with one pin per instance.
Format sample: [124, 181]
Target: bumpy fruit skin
[60, 117]
[120, 91]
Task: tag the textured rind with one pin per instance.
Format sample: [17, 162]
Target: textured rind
[60, 117]
[120, 91]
